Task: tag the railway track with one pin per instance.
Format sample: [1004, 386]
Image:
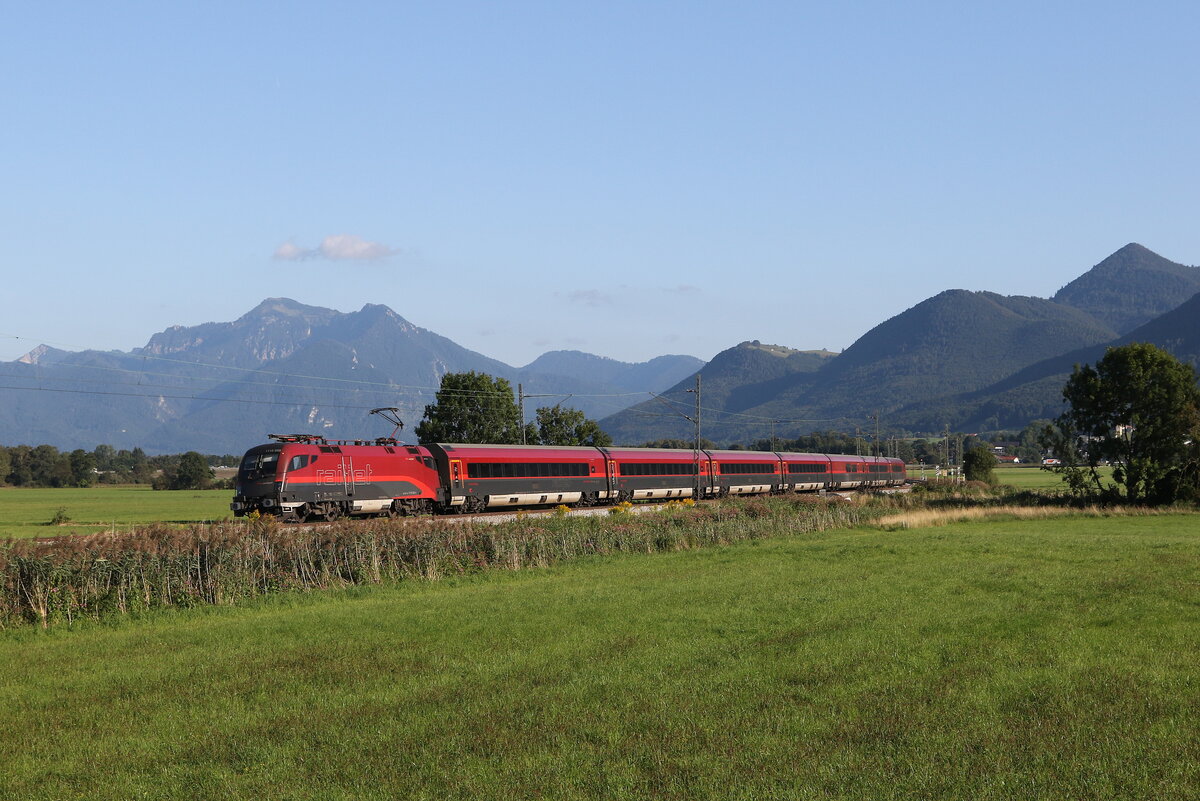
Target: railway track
[504, 515]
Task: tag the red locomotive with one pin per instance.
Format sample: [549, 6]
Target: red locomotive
[302, 476]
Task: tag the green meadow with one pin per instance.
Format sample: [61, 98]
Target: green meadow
[987, 660]
[1033, 477]
[28, 512]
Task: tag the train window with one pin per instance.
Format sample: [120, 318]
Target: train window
[298, 463]
[746, 467]
[806, 468]
[528, 469]
[428, 461]
[666, 469]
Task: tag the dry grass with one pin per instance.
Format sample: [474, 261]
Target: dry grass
[924, 518]
[68, 578]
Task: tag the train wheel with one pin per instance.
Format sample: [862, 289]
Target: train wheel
[332, 512]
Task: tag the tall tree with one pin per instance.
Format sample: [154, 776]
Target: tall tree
[82, 466]
[473, 408]
[189, 471]
[1138, 408]
[978, 465]
[559, 426]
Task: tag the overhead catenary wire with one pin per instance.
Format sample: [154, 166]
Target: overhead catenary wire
[750, 416]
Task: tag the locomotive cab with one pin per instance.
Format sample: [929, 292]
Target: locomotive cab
[258, 481]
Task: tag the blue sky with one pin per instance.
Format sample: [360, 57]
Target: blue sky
[628, 179]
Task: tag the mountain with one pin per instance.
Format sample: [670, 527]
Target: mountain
[1036, 391]
[662, 371]
[976, 360]
[282, 367]
[952, 342]
[1131, 287]
[739, 378]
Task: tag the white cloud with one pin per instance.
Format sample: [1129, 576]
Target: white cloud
[338, 247]
[349, 246]
[290, 252]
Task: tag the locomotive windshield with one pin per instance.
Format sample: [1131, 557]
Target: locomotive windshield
[259, 465]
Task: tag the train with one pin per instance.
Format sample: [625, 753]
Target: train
[300, 477]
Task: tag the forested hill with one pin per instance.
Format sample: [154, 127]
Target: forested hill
[1036, 391]
[739, 378]
[1130, 288]
[954, 342]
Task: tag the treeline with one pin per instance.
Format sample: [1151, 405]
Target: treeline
[47, 466]
[951, 449]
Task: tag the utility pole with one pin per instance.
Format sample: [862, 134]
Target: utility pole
[946, 449]
[696, 454]
[521, 405]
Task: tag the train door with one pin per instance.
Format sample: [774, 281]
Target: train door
[456, 477]
[612, 477]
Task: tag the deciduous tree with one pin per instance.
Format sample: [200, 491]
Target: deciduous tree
[978, 465]
[559, 426]
[1139, 409]
[473, 408]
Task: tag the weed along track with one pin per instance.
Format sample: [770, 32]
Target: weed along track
[90, 576]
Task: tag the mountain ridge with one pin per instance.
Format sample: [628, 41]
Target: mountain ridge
[283, 365]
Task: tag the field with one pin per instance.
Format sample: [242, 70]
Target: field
[1035, 659]
[1034, 477]
[27, 512]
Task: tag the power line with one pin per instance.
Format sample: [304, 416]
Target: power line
[184, 397]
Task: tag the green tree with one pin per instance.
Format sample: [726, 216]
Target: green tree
[82, 465]
[48, 467]
[1030, 449]
[559, 426]
[978, 465]
[105, 457]
[1139, 409]
[474, 408]
[189, 471]
[679, 444]
[20, 474]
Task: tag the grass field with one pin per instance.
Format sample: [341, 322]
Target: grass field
[1043, 659]
[1033, 477]
[26, 512]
